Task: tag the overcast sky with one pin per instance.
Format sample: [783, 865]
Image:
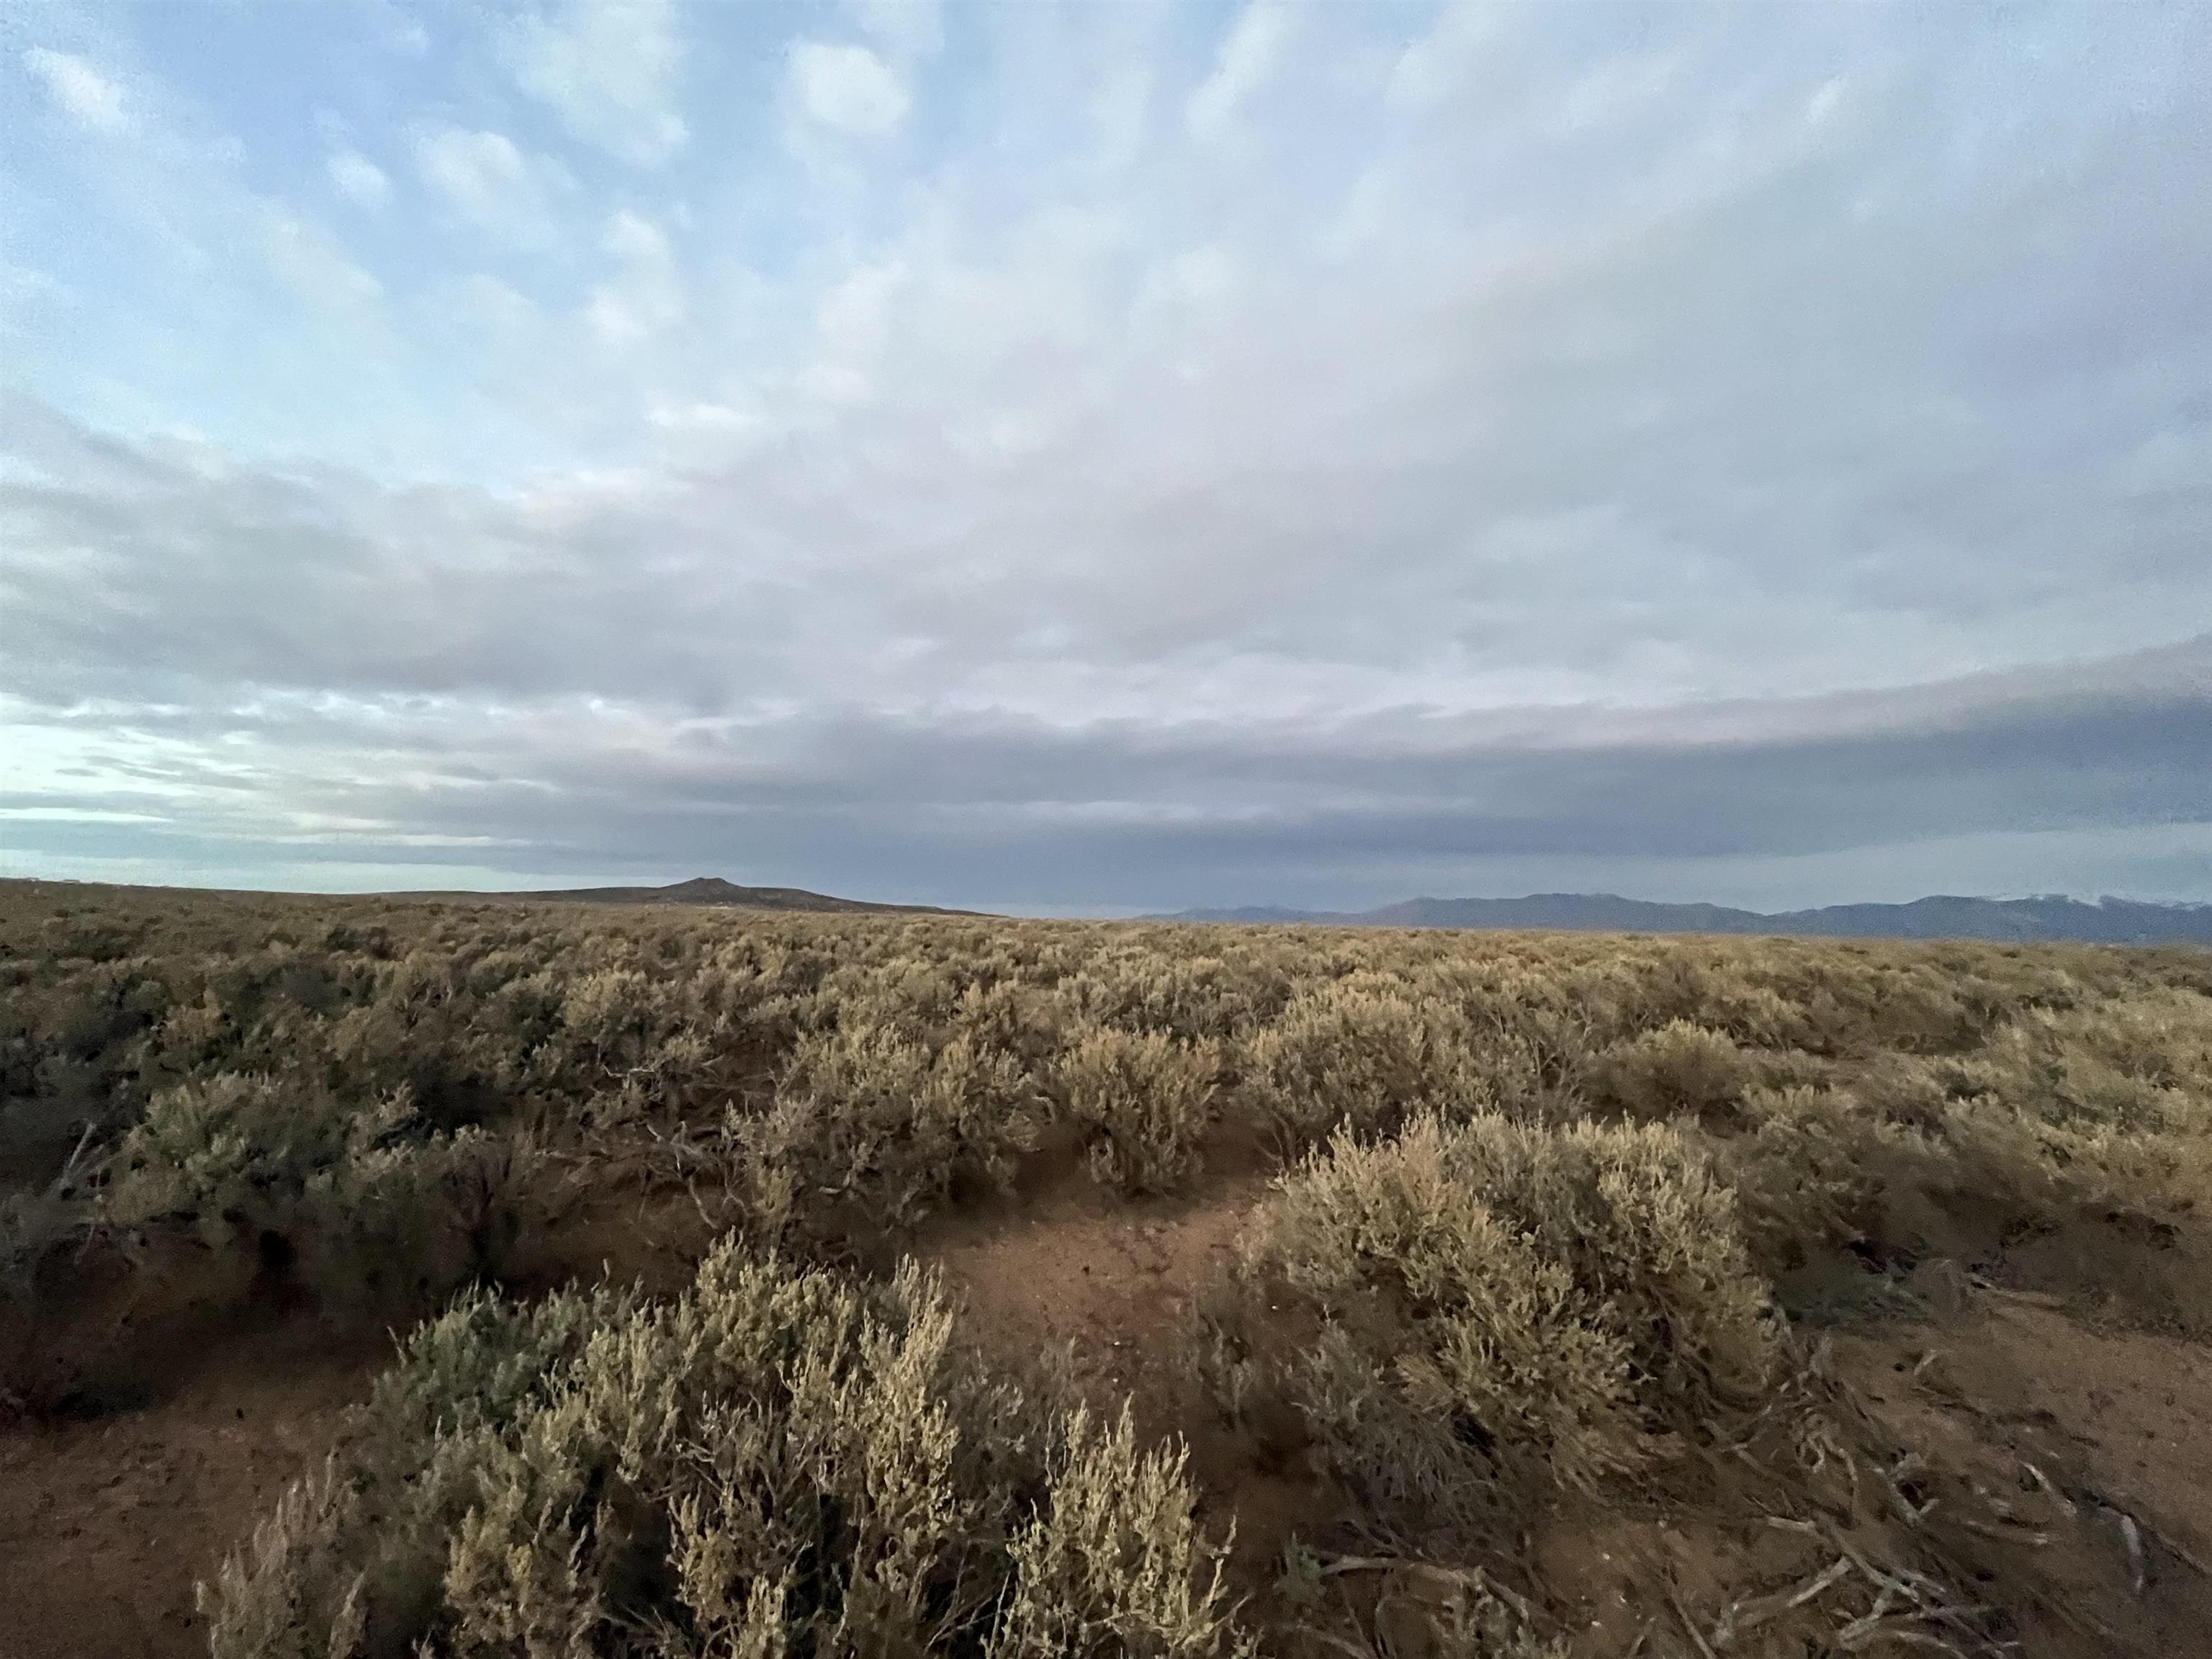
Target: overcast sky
[1099, 459]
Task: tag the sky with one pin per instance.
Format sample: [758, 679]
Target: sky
[1094, 459]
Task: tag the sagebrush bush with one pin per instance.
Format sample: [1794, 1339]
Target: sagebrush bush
[368, 1202]
[1360, 1052]
[1474, 1294]
[1111, 1566]
[1553, 1296]
[870, 1114]
[779, 1461]
[2058, 1116]
[1146, 1100]
[1680, 1069]
[238, 1152]
[1812, 1169]
[224, 1062]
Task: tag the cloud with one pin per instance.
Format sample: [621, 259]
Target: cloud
[609, 69]
[493, 185]
[312, 264]
[907, 29]
[1735, 460]
[846, 88]
[1250, 55]
[394, 29]
[1436, 66]
[987, 807]
[89, 98]
[647, 295]
[359, 180]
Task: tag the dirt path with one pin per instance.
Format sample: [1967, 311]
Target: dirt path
[1106, 1280]
[105, 1525]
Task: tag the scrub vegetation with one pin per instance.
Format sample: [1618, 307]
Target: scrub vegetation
[1532, 1249]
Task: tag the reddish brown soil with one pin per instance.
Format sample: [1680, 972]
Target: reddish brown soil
[1108, 1285]
[1107, 1282]
[2070, 1427]
[2037, 1432]
[107, 1524]
[177, 1403]
[2119, 1421]
[109, 1519]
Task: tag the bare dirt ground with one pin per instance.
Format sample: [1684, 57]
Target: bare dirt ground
[106, 1524]
[2040, 1430]
[2021, 1410]
[2098, 1439]
[195, 1401]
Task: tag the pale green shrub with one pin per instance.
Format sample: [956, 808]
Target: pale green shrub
[1679, 1069]
[1813, 1170]
[238, 1151]
[2140, 1065]
[1361, 1052]
[1028, 1022]
[352, 1561]
[780, 1461]
[1146, 1099]
[1554, 1296]
[370, 1202]
[1110, 1567]
[1142, 987]
[869, 1113]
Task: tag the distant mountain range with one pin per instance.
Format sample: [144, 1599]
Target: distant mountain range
[709, 890]
[2106, 921]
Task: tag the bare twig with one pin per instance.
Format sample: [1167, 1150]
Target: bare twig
[2131, 1535]
[2045, 1481]
[1689, 1623]
[1910, 1464]
[2166, 1542]
[69, 1169]
[2012, 1535]
[1750, 1614]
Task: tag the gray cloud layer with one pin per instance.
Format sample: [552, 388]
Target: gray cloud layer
[1782, 440]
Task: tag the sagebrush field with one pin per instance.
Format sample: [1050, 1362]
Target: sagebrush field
[808, 1285]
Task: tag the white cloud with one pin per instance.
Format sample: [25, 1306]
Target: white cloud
[389, 23]
[647, 294]
[1619, 89]
[358, 178]
[719, 419]
[905, 29]
[303, 255]
[847, 88]
[854, 315]
[1437, 66]
[1119, 109]
[90, 97]
[493, 184]
[1074, 430]
[609, 69]
[1250, 58]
